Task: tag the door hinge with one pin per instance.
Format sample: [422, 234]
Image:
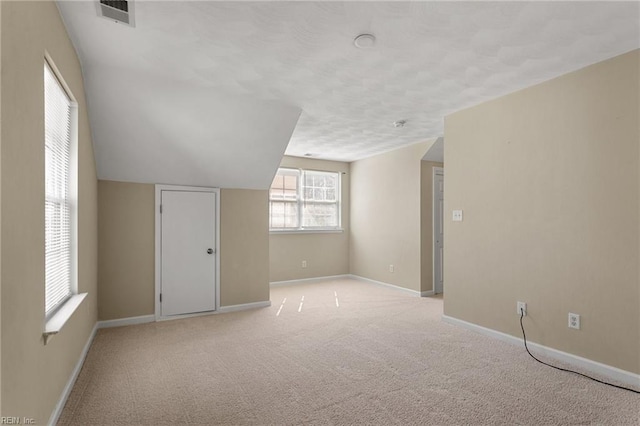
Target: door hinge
[160, 297]
[160, 208]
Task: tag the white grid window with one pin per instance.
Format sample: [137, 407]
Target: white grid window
[58, 205]
[304, 200]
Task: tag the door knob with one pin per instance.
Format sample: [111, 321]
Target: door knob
[210, 251]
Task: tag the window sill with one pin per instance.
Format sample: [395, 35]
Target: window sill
[306, 231]
[60, 318]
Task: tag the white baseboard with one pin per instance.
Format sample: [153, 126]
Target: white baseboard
[354, 277]
[595, 367]
[395, 287]
[244, 307]
[143, 319]
[72, 379]
[307, 280]
[220, 310]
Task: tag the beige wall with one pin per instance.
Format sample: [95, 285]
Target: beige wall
[126, 251]
[426, 224]
[127, 248]
[326, 254]
[385, 217]
[34, 375]
[548, 181]
[244, 246]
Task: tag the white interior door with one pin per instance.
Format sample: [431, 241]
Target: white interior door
[188, 246]
[438, 230]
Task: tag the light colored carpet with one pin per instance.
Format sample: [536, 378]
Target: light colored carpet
[380, 357]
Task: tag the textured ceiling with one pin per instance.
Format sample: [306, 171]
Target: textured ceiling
[430, 59]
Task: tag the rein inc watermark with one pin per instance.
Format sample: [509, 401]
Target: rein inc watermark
[5, 420]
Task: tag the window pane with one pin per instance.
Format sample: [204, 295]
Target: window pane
[57, 143]
[283, 214]
[278, 182]
[307, 196]
[320, 186]
[57, 253]
[319, 215]
[284, 185]
[308, 193]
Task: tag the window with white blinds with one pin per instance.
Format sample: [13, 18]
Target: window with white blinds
[57, 146]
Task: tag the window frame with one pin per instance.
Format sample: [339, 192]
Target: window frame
[57, 315]
[300, 201]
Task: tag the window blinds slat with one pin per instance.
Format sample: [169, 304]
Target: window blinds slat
[57, 118]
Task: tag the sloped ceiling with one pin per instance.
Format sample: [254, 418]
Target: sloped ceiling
[188, 135]
[435, 152]
[210, 92]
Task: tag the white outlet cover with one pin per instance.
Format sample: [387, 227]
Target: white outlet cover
[457, 215]
[574, 321]
[522, 305]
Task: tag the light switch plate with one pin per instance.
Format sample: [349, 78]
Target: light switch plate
[457, 215]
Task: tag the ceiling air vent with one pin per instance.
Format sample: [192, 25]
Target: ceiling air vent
[120, 11]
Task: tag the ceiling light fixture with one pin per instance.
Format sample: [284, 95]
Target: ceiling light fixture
[399, 123]
[364, 41]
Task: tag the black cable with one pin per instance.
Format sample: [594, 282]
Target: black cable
[524, 337]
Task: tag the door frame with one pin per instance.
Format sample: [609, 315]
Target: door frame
[158, 248]
[436, 171]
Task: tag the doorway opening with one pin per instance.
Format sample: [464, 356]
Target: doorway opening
[438, 230]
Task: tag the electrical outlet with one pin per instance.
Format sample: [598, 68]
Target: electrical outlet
[304, 263]
[574, 321]
[392, 268]
[457, 216]
[521, 308]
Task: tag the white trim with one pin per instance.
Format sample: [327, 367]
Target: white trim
[220, 310]
[349, 276]
[52, 65]
[74, 165]
[308, 280]
[244, 306]
[276, 231]
[143, 319]
[183, 316]
[158, 246]
[595, 367]
[435, 171]
[54, 324]
[57, 411]
[395, 287]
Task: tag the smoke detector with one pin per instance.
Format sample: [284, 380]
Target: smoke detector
[119, 11]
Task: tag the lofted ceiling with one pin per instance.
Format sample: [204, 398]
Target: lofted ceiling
[213, 93]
